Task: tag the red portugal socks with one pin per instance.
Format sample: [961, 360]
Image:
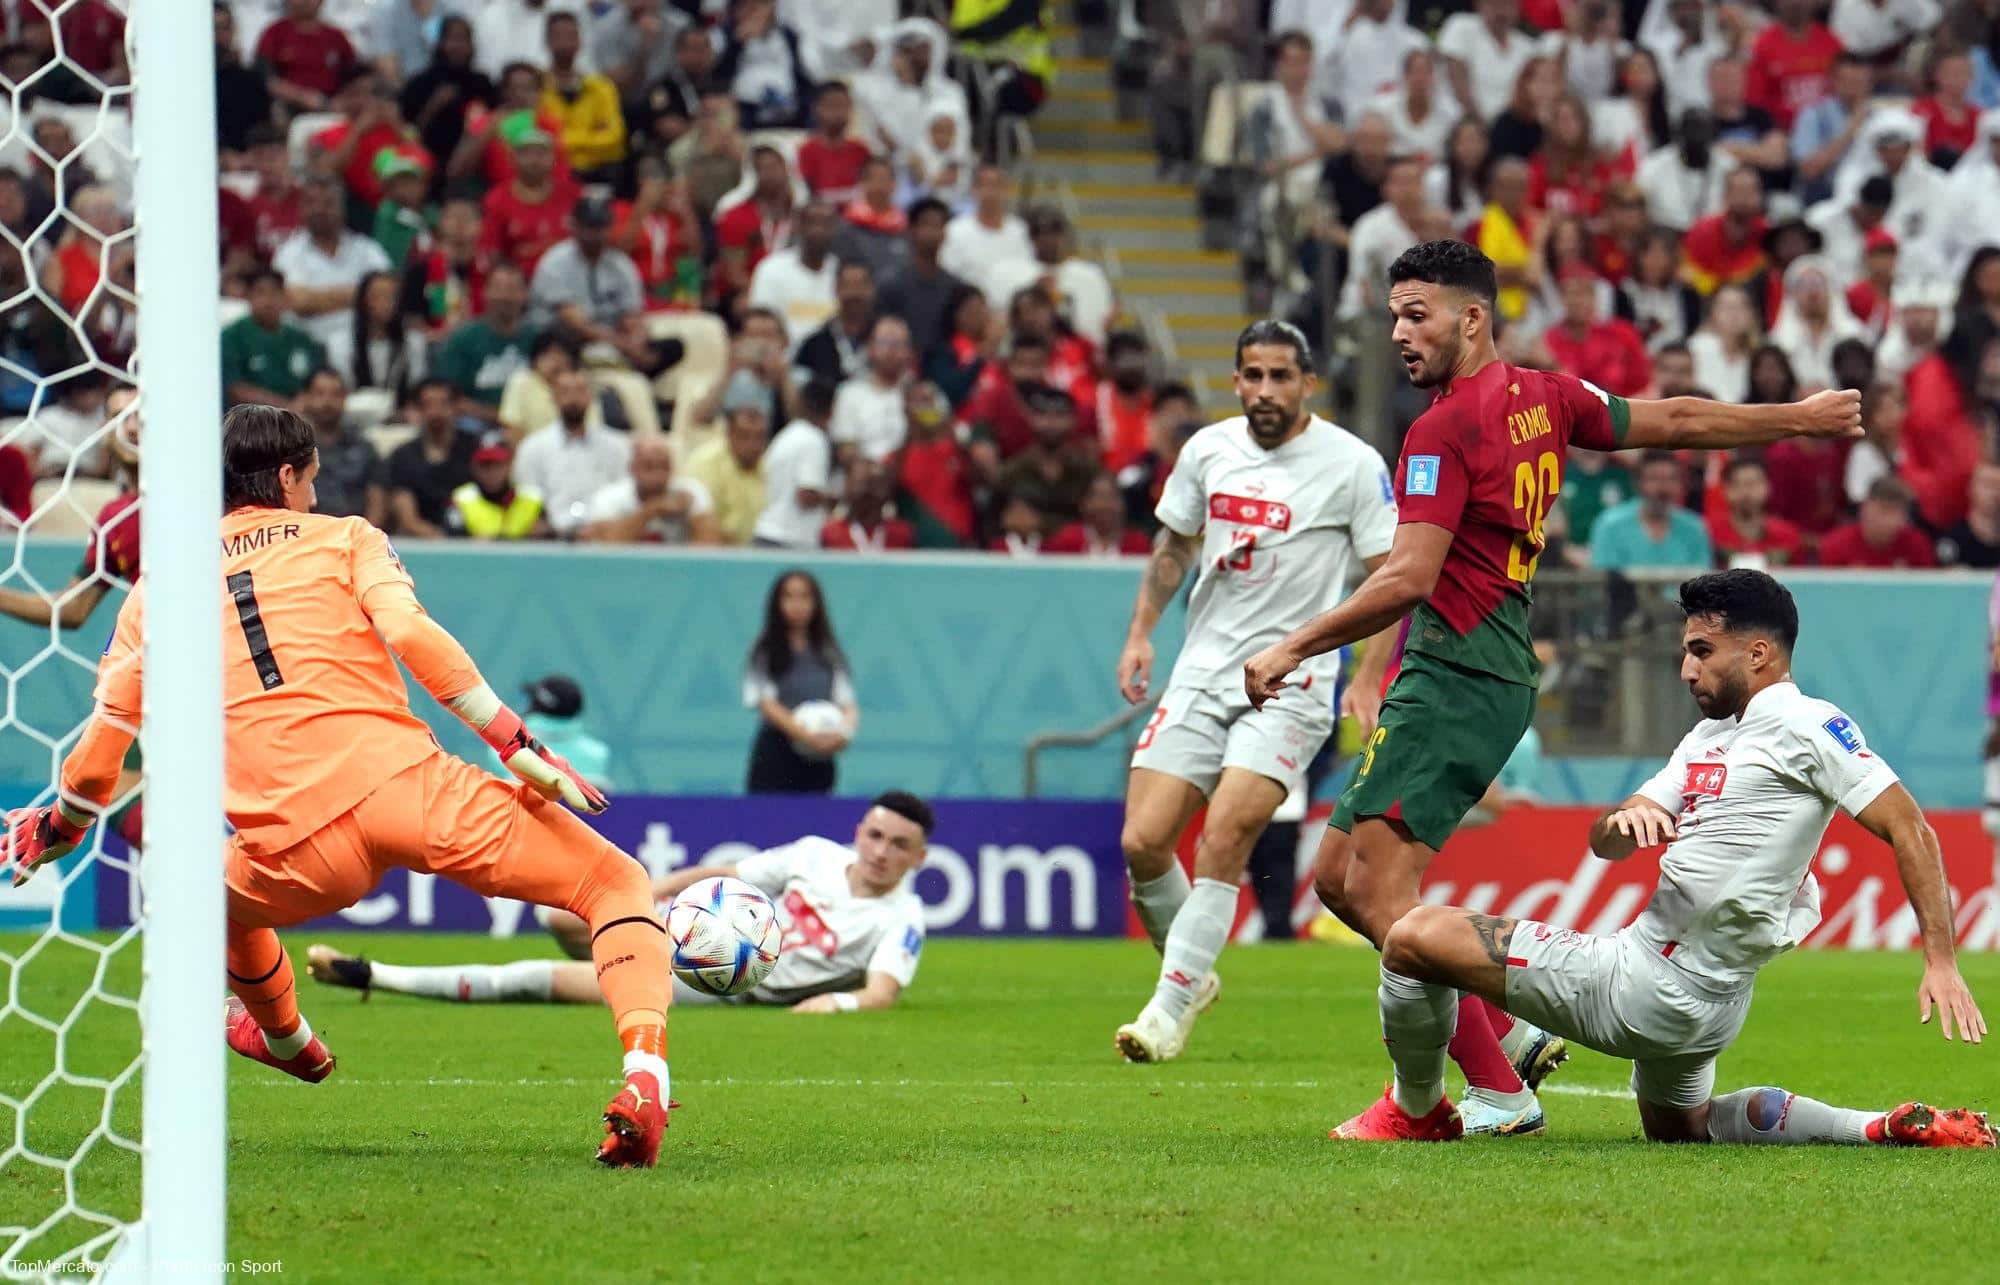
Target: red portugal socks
[1476, 1049]
[1499, 1018]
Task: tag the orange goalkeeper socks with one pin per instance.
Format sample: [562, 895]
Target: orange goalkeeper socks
[260, 974]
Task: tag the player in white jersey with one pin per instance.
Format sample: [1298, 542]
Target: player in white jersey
[1742, 807]
[853, 929]
[1273, 511]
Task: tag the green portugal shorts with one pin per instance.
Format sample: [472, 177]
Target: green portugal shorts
[1445, 734]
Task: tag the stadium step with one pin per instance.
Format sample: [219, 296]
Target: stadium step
[1163, 272]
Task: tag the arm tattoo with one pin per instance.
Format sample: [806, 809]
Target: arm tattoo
[1167, 568]
[1494, 934]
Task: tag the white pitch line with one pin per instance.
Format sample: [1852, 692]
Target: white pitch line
[735, 1082]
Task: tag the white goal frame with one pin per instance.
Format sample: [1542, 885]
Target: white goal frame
[180, 1235]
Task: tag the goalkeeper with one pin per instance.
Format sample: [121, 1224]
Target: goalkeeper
[330, 779]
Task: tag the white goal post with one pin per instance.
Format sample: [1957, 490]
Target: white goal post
[113, 1130]
[180, 371]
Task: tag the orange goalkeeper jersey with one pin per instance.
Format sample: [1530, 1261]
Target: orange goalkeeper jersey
[315, 712]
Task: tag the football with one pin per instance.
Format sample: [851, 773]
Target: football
[725, 936]
[818, 716]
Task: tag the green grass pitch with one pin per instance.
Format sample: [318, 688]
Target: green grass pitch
[984, 1130]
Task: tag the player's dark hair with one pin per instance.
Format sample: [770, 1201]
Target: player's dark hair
[772, 653]
[1454, 265]
[1745, 601]
[1272, 331]
[257, 440]
[908, 806]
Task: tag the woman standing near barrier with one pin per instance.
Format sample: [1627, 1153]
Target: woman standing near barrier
[796, 680]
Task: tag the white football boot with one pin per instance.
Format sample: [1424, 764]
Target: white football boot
[1155, 1037]
[1485, 1117]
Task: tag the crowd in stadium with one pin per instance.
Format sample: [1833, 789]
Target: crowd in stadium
[736, 271]
[1681, 196]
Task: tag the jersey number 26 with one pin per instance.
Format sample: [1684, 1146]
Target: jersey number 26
[1535, 487]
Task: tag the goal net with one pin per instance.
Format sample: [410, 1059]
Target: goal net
[110, 1057]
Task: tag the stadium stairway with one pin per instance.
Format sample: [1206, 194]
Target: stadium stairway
[1186, 299]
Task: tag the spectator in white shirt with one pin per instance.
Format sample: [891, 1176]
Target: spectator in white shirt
[1292, 133]
[1363, 59]
[652, 505]
[798, 467]
[838, 37]
[1843, 226]
[1082, 291]
[1455, 183]
[1420, 112]
[1877, 29]
[988, 235]
[510, 31]
[1380, 235]
[1892, 144]
[797, 282]
[1684, 180]
[323, 262]
[1590, 47]
[868, 416]
[571, 460]
[1685, 36]
[1486, 52]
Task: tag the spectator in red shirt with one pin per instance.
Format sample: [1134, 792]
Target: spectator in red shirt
[1744, 533]
[1101, 531]
[525, 217]
[1567, 176]
[307, 58]
[932, 471]
[374, 124]
[1124, 400]
[1951, 118]
[662, 233]
[1791, 62]
[864, 524]
[1727, 248]
[1941, 432]
[1882, 536]
[1808, 483]
[1608, 353]
[755, 226]
[997, 412]
[1072, 361]
[1871, 299]
[830, 162]
[483, 151]
[274, 206]
[93, 35]
[445, 281]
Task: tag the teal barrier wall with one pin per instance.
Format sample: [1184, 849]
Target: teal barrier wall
[959, 660]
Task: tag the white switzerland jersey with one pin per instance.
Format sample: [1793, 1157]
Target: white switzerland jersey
[1283, 531]
[833, 939]
[1754, 796]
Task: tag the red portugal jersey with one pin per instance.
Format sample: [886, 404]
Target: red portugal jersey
[1485, 462]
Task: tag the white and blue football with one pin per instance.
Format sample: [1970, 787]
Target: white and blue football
[725, 935]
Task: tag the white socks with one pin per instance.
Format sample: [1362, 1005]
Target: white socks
[1159, 900]
[1197, 936]
[1418, 1020]
[290, 1046]
[1775, 1117]
[651, 1063]
[524, 979]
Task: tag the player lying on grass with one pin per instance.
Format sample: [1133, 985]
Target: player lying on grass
[853, 929]
[329, 779]
[1478, 474]
[1742, 806]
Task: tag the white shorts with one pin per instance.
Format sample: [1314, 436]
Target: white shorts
[1195, 732]
[1620, 996]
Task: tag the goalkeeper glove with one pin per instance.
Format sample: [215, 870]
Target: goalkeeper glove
[548, 772]
[37, 836]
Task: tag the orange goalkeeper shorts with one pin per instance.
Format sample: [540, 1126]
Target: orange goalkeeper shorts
[440, 816]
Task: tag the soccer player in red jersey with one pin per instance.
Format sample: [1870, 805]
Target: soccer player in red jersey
[1478, 473]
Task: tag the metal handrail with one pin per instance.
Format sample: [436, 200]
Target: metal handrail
[1030, 777]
